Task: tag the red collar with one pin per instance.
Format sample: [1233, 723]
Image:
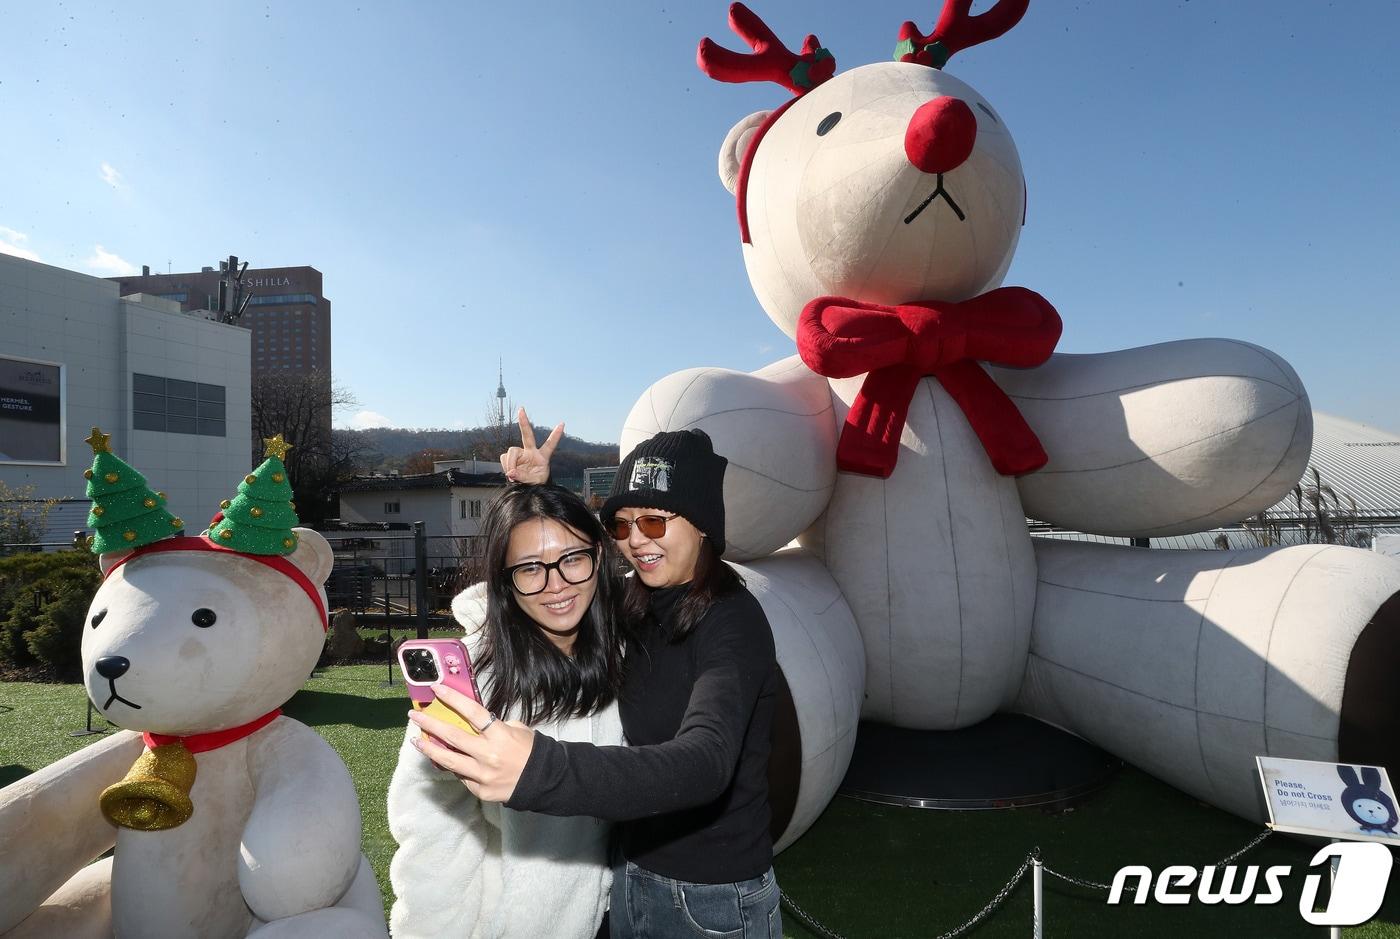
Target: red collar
[201, 743]
[204, 543]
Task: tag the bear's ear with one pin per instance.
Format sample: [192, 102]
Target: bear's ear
[736, 144]
[313, 555]
[109, 560]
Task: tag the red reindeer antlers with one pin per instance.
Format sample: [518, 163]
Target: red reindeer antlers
[770, 61]
[956, 30]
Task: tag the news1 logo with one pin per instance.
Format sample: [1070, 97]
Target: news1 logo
[1363, 871]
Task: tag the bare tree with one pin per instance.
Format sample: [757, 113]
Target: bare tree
[1324, 515]
[1325, 520]
[23, 518]
[498, 432]
[302, 407]
[422, 461]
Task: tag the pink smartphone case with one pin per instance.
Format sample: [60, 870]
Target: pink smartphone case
[454, 668]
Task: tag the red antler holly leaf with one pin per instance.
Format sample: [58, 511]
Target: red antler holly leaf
[770, 60]
[956, 30]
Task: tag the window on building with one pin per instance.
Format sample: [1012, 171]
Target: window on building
[391, 508]
[461, 508]
[282, 298]
[476, 508]
[174, 406]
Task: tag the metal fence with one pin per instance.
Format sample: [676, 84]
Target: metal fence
[401, 577]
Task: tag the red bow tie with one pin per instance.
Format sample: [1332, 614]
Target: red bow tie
[898, 345]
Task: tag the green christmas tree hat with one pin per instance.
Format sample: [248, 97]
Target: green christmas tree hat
[126, 513]
[260, 519]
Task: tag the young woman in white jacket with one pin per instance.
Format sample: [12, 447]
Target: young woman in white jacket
[546, 637]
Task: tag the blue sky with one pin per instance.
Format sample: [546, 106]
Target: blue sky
[537, 184]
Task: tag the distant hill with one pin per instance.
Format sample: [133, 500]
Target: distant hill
[384, 449]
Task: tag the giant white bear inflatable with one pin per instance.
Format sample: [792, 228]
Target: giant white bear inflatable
[236, 821]
[926, 417]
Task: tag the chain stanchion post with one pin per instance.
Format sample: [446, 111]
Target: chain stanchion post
[1037, 896]
[420, 578]
[1333, 932]
[1036, 866]
[88, 730]
[388, 632]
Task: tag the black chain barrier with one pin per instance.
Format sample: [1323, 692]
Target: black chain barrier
[825, 932]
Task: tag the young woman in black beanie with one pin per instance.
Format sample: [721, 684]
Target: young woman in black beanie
[696, 705]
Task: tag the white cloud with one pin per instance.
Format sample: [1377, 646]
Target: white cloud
[105, 262]
[363, 420]
[12, 243]
[111, 176]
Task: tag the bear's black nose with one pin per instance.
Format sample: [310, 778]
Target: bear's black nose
[112, 666]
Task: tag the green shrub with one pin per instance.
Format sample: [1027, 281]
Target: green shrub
[43, 602]
[57, 638]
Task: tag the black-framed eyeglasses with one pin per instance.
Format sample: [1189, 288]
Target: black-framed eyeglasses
[652, 526]
[575, 567]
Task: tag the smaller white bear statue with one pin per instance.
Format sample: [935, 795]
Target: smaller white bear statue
[234, 820]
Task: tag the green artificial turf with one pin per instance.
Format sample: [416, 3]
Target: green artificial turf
[865, 871]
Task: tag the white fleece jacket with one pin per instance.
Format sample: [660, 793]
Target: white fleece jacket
[465, 868]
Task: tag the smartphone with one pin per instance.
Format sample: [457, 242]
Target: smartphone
[426, 662]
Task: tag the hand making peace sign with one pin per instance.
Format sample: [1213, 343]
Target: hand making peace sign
[527, 463]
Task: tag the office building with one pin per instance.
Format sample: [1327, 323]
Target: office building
[286, 312]
[172, 388]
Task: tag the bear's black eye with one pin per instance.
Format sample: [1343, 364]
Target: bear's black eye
[828, 122]
[98, 617]
[203, 617]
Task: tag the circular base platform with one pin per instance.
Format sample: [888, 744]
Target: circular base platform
[1007, 761]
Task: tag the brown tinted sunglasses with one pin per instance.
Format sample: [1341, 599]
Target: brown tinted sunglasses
[651, 526]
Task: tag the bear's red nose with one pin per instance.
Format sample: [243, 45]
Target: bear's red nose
[940, 135]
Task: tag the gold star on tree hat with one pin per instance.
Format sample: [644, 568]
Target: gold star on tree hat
[126, 513]
[256, 523]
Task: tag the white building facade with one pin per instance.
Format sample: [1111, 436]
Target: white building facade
[173, 389]
[450, 504]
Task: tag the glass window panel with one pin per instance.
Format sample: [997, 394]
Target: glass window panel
[153, 404]
[148, 384]
[211, 392]
[211, 428]
[214, 409]
[180, 425]
[182, 407]
[179, 389]
[144, 421]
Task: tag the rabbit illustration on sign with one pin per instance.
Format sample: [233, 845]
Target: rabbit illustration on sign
[1366, 802]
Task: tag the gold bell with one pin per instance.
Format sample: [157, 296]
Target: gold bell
[155, 795]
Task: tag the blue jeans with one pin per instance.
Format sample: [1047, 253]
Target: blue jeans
[649, 906]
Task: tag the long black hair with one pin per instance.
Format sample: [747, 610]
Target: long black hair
[526, 668]
[713, 579]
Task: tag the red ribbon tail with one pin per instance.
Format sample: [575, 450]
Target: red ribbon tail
[870, 440]
[1012, 446]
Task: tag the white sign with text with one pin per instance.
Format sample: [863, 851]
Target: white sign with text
[1331, 800]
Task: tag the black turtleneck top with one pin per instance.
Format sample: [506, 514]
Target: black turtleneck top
[692, 785]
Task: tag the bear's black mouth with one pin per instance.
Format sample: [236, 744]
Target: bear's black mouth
[939, 191]
[112, 683]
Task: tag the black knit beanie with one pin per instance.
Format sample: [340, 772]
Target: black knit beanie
[676, 471]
